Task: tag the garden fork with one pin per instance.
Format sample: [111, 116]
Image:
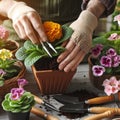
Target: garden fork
[48, 48]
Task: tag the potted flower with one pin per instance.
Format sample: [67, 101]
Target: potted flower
[5, 42]
[111, 85]
[45, 69]
[104, 60]
[10, 70]
[18, 102]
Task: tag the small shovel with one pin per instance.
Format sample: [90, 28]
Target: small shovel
[75, 108]
[66, 99]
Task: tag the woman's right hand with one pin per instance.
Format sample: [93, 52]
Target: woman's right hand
[27, 22]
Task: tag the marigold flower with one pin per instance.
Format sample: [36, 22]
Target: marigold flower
[53, 30]
[5, 54]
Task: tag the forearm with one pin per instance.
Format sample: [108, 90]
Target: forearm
[109, 6]
[5, 5]
[96, 7]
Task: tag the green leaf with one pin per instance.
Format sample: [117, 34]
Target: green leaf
[29, 45]
[67, 32]
[14, 104]
[5, 105]
[21, 53]
[32, 58]
[25, 107]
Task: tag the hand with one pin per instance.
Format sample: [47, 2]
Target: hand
[27, 22]
[79, 43]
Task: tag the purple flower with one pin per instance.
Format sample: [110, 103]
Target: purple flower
[16, 93]
[98, 70]
[111, 52]
[106, 61]
[96, 51]
[2, 72]
[113, 36]
[22, 82]
[116, 61]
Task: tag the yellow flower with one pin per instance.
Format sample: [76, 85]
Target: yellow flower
[5, 54]
[53, 30]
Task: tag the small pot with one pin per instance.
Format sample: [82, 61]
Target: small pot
[12, 82]
[51, 81]
[11, 45]
[97, 81]
[18, 116]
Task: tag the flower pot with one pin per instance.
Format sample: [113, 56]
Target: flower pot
[18, 116]
[51, 81]
[11, 45]
[97, 81]
[12, 82]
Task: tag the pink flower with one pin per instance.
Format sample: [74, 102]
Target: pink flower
[96, 51]
[22, 82]
[2, 72]
[117, 18]
[113, 36]
[116, 61]
[111, 85]
[106, 61]
[111, 52]
[98, 70]
[4, 34]
[16, 93]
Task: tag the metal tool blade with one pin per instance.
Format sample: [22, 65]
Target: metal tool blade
[74, 108]
[65, 99]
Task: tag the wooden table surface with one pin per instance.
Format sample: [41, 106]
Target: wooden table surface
[79, 81]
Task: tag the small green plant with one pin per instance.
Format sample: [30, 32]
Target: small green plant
[30, 53]
[8, 69]
[18, 100]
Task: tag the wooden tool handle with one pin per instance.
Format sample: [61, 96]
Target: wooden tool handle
[100, 100]
[103, 109]
[38, 100]
[107, 114]
[42, 114]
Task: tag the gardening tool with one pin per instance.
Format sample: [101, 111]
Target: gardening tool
[104, 112]
[66, 99]
[75, 108]
[48, 48]
[45, 103]
[39, 112]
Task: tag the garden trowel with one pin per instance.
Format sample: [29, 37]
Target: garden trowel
[66, 99]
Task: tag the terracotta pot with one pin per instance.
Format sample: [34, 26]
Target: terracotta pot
[18, 116]
[52, 81]
[97, 81]
[12, 82]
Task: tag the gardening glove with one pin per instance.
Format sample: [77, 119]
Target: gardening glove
[80, 41]
[27, 22]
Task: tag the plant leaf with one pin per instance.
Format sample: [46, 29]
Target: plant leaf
[67, 32]
[32, 58]
[21, 53]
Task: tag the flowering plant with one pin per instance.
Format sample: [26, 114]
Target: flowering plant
[105, 53]
[4, 40]
[8, 69]
[56, 34]
[18, 100]
[111, 85]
